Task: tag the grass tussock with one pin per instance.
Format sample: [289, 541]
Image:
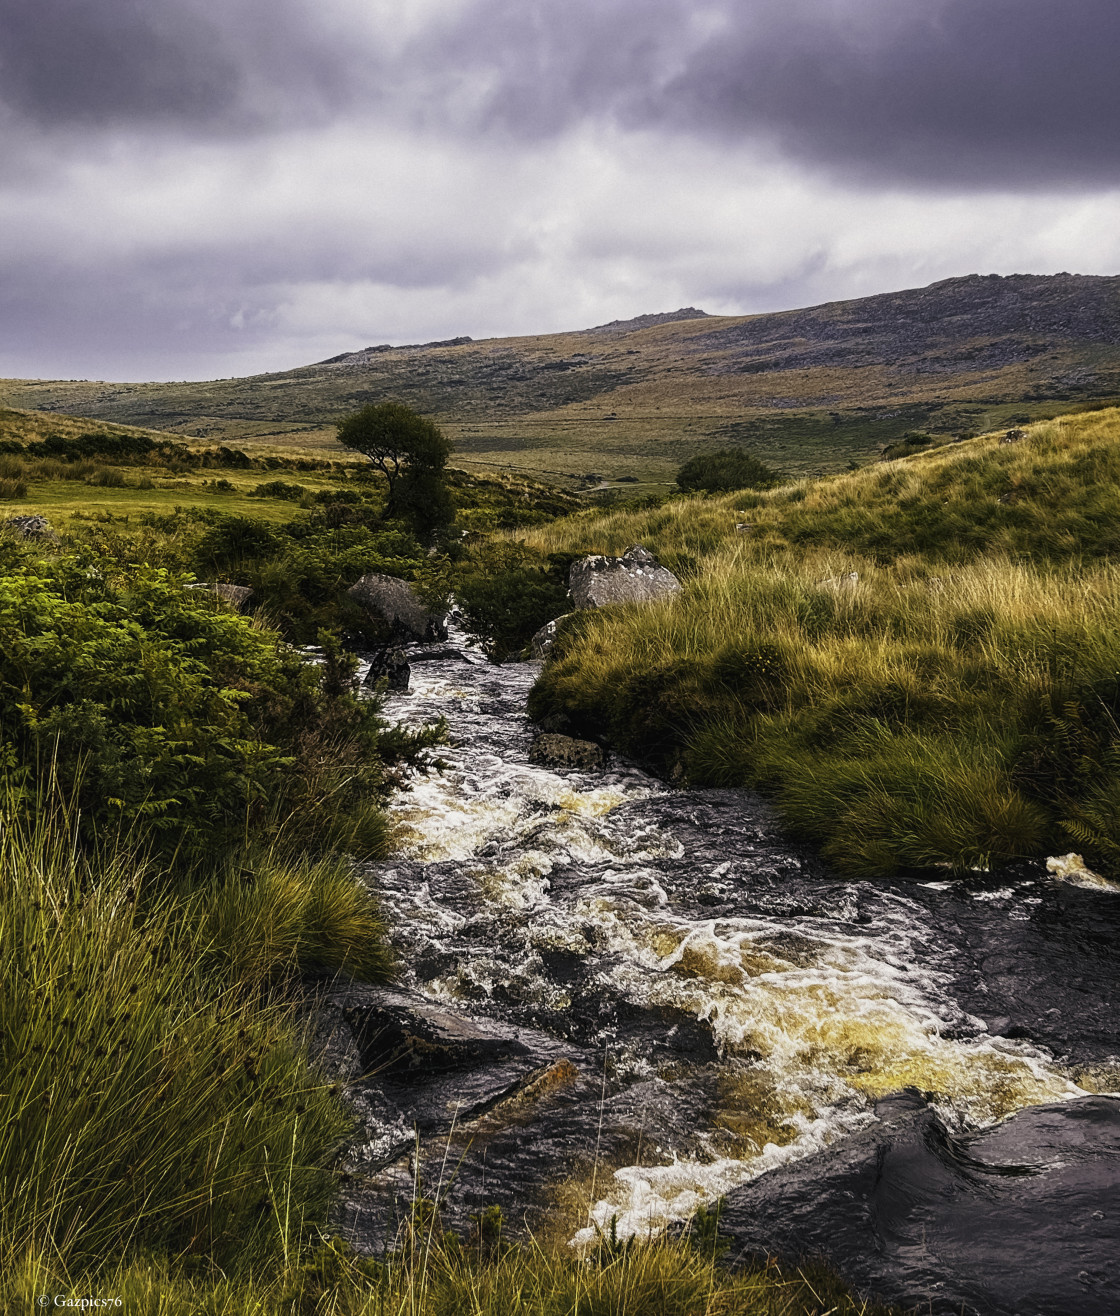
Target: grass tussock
[434, 1277]
[920, 661]
[157, 1097]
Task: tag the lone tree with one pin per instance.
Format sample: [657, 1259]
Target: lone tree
[407, 448]
[723, 471]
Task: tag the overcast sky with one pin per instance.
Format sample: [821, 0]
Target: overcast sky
[202, 188]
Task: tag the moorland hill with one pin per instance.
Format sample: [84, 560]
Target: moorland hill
[809, 389]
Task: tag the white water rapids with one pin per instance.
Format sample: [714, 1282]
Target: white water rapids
[616, 915]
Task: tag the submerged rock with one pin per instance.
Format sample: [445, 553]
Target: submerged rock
[396, 1031]
[556, 751]
[635, 577]
[396, 603]
[1015, 1220]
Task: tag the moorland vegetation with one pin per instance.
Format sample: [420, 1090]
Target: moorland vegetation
[184, 795]
[919, 661]
[806, 390]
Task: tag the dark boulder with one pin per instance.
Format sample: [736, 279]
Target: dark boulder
[396, 603]
[1016, 1220]
[391, 666]
[564, 752]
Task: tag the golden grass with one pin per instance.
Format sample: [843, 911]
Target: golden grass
[912, 713]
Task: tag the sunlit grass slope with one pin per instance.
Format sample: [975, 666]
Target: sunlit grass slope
[957, 703]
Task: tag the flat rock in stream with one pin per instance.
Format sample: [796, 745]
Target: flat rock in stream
[409, 1062]
[1021, 1219]
[400, 1031]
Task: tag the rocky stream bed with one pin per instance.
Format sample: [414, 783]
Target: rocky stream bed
[619, 1001]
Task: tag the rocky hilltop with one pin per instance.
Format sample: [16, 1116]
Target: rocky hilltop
[809, 388]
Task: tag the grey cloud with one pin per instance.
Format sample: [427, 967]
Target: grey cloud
[981, 93]
[992, 93]
[246, 65]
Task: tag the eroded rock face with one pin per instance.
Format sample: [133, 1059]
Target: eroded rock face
[397, 604]
[635, 577]
[555, 751]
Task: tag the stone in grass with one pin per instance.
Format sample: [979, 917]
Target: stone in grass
[635, 577]
[846, 580]
[31, 527]
[237, 595]
[556, 751]
[540, 646]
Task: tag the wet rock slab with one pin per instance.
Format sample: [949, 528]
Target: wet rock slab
[1022, 1219]
[417, 1064]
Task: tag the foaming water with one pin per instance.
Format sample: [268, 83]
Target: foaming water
[728, 1003]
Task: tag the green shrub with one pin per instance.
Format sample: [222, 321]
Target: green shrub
[158, 708]
[507, 594]
[290, 493]
[723, 471]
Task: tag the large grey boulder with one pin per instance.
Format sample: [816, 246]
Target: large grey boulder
[396, 603]
[635, 577]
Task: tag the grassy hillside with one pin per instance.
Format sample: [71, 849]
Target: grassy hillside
[809, 390]
[955, 701]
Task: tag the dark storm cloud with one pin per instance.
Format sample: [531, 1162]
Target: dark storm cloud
[983, 93]
[244, 65]
[989, 93]
[980, 92]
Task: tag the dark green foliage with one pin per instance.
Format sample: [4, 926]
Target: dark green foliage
[703, 1231]
[724, 471]
[100, 445]
[423, 501]
[230, 543]
[157, 710]
[402, 445]
[507, 593]
[291, 493]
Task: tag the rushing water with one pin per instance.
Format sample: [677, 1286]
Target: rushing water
[713, 1002]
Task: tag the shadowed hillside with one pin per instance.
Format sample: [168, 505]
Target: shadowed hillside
[808, 390]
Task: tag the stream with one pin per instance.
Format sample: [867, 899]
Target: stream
[619, 1001]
